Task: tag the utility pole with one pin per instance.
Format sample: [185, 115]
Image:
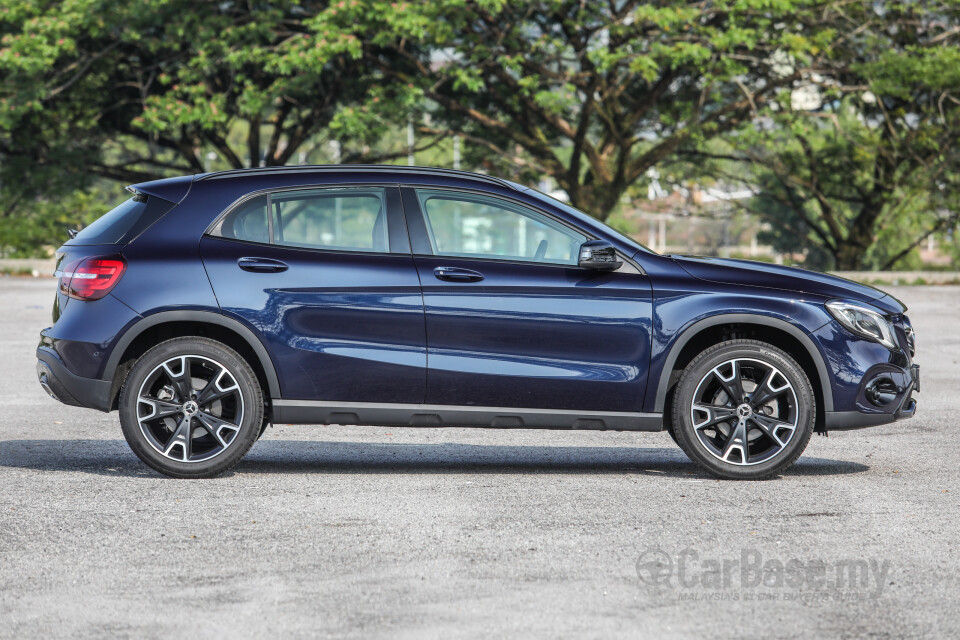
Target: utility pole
[456, 152]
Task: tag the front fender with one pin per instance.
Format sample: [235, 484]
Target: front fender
[796, 318]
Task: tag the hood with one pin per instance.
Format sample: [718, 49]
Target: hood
[748, 273]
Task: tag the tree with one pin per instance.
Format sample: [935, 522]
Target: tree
[138, 90]
[591, 94]
[866, 148]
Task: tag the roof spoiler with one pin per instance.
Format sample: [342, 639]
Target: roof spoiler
[170, 189]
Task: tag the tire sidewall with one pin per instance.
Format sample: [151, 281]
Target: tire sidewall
[250, 392]
[723, 352]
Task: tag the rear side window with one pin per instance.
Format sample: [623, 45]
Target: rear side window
[247, 222]
[124, 222]
[353, 219]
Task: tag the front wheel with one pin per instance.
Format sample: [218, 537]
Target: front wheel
[743, 410]
[191, 408]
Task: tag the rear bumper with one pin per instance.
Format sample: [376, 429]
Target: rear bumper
[69, 388]
[904, 406]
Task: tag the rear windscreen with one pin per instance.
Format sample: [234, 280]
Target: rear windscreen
[124, 222]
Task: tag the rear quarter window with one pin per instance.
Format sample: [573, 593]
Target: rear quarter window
[124, 222]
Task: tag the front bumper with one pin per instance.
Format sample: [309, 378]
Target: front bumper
[903, 383]
[69, 388]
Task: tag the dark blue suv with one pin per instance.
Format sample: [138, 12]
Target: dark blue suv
[206, 307]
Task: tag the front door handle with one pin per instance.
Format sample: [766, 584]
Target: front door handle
[262, 265]
[456, 274]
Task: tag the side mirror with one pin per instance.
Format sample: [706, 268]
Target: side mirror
[599, 255]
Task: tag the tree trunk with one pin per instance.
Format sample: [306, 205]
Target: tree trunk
[597, 200]
[852, 250]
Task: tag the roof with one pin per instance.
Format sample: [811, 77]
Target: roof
[356, 168]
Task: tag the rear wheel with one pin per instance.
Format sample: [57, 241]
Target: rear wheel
[743, 409]
[191, 408]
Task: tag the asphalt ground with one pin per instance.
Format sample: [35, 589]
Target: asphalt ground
[428, 533]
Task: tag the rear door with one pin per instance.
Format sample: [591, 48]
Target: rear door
[512, 321]
[326, 275]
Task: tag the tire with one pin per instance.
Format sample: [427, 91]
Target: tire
[760, 434]
[197, 425]
[673, 435]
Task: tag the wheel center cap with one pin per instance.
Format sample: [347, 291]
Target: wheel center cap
[744, 411]
[190, 408]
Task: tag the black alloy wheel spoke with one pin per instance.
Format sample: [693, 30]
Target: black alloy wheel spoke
[161, 408]
[717, 415]
[769, 426]
[181, 380]
[181, 437]
[765, 392]
[212, 391]
[215, 425]
[737, 439]
[733, 386]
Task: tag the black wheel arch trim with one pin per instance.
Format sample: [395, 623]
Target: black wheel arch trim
[742, 318]
[193, 315]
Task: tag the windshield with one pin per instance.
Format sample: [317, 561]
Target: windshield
[587, 218]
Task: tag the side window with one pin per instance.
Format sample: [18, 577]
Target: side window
[247, 222]
[476, 226]
[347, 219]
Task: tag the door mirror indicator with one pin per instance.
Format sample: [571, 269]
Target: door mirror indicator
[599, 255]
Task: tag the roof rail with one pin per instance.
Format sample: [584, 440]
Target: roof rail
[356, 168]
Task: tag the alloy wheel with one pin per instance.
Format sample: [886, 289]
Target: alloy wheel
[190, 408]
[744, 411]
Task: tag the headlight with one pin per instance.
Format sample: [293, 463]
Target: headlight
[863, 322]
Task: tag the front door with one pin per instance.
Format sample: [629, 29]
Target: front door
[511, 320]
[327, 277]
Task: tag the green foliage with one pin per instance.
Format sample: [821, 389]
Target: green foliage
[138, 90]
[592, 94]
[42, 226]
[863, 166]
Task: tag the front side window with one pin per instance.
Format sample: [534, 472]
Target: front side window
[477, 226]
[341, 219]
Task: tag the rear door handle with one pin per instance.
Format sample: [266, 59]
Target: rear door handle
[456, 274]
[262, 265]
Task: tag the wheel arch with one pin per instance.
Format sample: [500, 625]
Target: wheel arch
[165, 325]
[779, 333]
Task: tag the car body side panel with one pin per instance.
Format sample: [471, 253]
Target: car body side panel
[339, 326]
[531, 335]
[164, 271]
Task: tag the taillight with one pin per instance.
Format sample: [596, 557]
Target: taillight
[92, 278]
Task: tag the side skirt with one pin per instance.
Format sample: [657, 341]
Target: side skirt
[435, 415]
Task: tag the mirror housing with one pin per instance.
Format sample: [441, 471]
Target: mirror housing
[598, 255]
